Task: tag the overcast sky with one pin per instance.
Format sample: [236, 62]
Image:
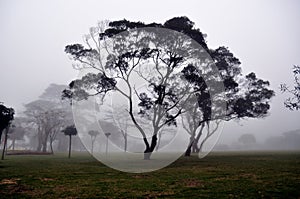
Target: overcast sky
[264, 35]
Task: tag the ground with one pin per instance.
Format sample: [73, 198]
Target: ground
[219, 175]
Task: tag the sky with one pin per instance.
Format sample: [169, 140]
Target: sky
[264, 35]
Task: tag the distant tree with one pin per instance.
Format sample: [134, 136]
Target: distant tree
[70, 131]
[293, 102]
[6, 116]
[286, 141]
[48, 119]
[121, 119]
[93, 134]
[48, 115]
[247, 139]
[15, 133]
[53, 93]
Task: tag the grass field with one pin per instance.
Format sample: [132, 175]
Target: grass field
[219, 175]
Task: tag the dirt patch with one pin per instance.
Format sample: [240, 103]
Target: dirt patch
[46, 179]
[27, 152]
[192, 183]
[9, 181]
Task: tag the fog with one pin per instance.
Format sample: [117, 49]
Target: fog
[264, 35]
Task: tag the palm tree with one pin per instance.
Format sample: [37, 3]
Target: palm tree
[69, 131]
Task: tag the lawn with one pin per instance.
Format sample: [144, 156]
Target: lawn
[219, 175]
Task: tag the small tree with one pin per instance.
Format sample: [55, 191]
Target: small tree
[93, 135]
[70, 131]
[293, 102]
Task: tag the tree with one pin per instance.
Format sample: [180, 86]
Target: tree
[247, 139]
[48, 120]
[70, 131]
[93, 134]
[122, 120]
[244, 96]
[16, 132]
[140, 52]
[293, 102]
[48, 115]
[6, 116]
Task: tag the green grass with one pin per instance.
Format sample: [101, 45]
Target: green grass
[219, 175]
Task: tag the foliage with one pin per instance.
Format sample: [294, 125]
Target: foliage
[293, 102]
[70, 130]
[6, 116]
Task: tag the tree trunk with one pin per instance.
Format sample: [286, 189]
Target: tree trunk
[70, 142]
[45, 142]
[13, 144]
[39, 147]
[150, 149]
[5, 142]
[195, 147]
[92, 145]
[51, 147]
[1, 130]
[189, 148]
[158, 142]
[125, 142]
[44, 146]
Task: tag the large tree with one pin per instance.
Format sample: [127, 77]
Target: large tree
[167, 62]
[143, 54]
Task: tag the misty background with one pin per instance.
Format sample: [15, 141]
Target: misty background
[264, 35]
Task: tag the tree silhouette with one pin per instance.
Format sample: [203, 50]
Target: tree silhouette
[171, 67]
[129, 57]
[293, 102]
[6, 116]
[70, 131]
[245, 97]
